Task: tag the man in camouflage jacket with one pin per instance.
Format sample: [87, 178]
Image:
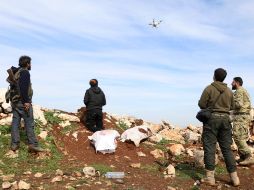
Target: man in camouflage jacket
[242, 121]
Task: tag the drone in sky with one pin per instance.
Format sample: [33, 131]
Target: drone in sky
[155, 23]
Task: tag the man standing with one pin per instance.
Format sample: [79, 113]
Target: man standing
[218, 128]
[242, 121]
[94, 100]
[21, 102]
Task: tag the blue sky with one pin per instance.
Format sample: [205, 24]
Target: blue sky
[145, 72]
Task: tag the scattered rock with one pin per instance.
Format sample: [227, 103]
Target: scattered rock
[14, 185]
[1, 172]
[38, 175]
[167, 125]
[170, 170]
[77, 174]
[189, 152]
[57, 179]
[6, 185]
[191, 127]
[23, 185]
[8, 177]
[141, 154]
[65, 123]
[6, 120]
[171, 188]
[172, 135]
[27, 173]
[135, 165]
[192, 137]
[199, 158]
[67, 117]
[75, 135]
[43, 135]
[157, 153]
[59, 172]
[39, 114]
[89, 171]
[176, 149]
[12, 154]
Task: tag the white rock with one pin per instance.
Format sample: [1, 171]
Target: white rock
[171, 188]
[135, 165]
[8, 177]
[155, 138]
[23, 185]
[6, 185]
[14, 185]
[141, 154]
[155, 128]
[67, 117]
[43, 135]
[172, 135]
[171, 171]
[38, 175]
[191, 127]
[190, 152]
[65, 123]
[57, 179]
[6, 120]
[157, 153]
[176, 149]
[89, 171]
[75, 135]
[59, 172]
[199, 158]
[192, 137]
[12, 154]
[39, 114]
[167, 125]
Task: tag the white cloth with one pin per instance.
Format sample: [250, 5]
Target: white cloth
[136, 134]
[104, 141]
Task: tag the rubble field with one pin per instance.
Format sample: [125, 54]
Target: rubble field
[169, 158]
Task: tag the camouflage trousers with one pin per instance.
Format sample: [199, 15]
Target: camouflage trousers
[241, 133]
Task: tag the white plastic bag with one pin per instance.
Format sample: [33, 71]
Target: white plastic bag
[105, 141]
[136, 134]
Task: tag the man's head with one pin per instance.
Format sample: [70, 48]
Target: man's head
[25, 62]
[237, 82]
[93, 83]
[220, 74]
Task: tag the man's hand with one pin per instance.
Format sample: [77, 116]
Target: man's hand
[27, 106]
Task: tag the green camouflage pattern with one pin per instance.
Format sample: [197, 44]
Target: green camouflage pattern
[241, 125]
[242, 101]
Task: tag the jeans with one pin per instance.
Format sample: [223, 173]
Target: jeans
[218, 129]
[94, 120]
[18, 113]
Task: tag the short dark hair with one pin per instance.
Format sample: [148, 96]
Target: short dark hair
[93, 82]
[239, 80]
[220, 74]
[24, 60]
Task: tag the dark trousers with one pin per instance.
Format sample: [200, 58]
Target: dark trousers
[18, 113]
[218, 129]
[94, 120]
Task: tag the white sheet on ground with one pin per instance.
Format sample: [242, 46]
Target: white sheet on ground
[136, 134]
[105, 141]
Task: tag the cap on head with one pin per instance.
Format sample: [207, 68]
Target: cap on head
[93, 82]
[239, 80]
[24, 60]
[220, 74]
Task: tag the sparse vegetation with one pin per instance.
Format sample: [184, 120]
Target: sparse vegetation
[51, 118]
[69, 128]
[102, 168]
[186, 171]
[121, 125]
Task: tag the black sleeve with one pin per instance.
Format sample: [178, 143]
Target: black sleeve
[104, 99]
[86, 98]
[24, 82]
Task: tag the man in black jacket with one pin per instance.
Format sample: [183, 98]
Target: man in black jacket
[94, 100]
[21, 102]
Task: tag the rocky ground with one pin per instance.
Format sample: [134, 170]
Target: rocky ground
[170, 158]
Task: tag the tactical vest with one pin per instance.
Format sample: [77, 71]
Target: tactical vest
[13, 93]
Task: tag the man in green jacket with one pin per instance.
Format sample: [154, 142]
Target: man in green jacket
[218, 128]
[242, 121]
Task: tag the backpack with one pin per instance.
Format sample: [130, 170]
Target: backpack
[13, 93]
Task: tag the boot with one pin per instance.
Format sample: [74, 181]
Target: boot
[234, 179]
[209, 179]
[249, 160]
[14, 147]
[35, 149]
